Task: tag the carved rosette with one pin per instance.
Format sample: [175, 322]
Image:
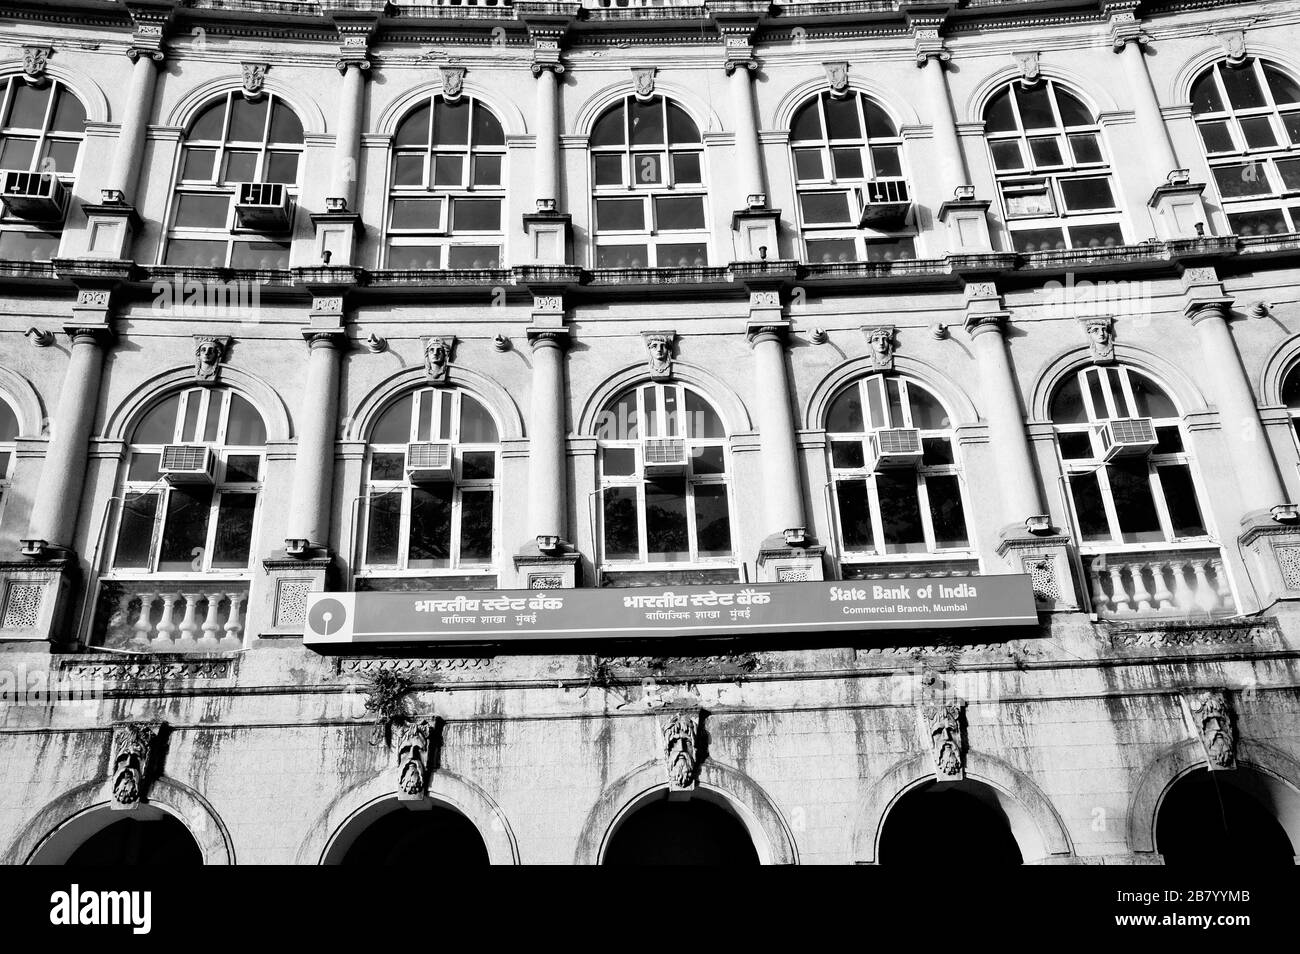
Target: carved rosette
[942, 725]
[438, 355]
[681, 743]
[136, 752]
[415, 758]
[1211, 716]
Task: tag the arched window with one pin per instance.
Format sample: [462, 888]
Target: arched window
[432, 484]
[8, 446]
[664, 478]
[854, 203]
[898, 487]
[41, 129]
[235, 188]
[1122, 445]
[1052, 169]
[1291, 397]
[1249, 120]
[448, 187]
[647, 173]
[193, 479]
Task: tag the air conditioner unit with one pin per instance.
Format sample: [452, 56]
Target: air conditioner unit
[429, 462]
[894, 447]
[883, 203]
[186, 464]
[35, 196]
[264, 206]
[664, 455]
[1127, 437]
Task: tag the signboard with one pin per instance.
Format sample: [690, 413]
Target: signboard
[337, 621]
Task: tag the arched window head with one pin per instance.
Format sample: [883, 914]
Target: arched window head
[854, 203]
[1052, 169]
[238, 177]
[1249, 120]
[664, 478]
[41, 130]
[433, 480]
[448, 187]
[898, 487]
[8, 445]
[647, 174]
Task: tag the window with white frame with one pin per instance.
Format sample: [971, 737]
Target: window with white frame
[1249, 120]
[41, 130]
[664, 479]
[647, 174]
[1052, 170]
[889, 503]
[1291, 397]
[201, 518]
[448, 187]
[1127, 495]
[432, 484]
[854, 200]
[8, 447]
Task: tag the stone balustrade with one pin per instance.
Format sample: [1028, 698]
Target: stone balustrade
[179, 616]
[1172, 584]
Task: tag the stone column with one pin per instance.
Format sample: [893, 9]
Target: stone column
[347, 144]
[547, 169]
[129, 155]
[782, 488]
[1128, 41]
[313, 478]
[952, 161]
[749, 156]
[548, 433]
[55, 509]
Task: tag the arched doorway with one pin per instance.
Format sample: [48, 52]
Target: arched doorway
[393, 832]
[1233, 818]
[696, 831]
[103, 837]
[952, 820]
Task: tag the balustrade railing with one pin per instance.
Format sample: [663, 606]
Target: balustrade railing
[1174, 583]
[627, 4]
[179, 616]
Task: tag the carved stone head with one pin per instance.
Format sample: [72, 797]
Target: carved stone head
[208, 353]
[1214, 724]
[132, 747]
[837, 78]
[35, 59]
[1029, 69]
[1101, 338]
[413, 758]
[880, 339]
[680, 738]
[944, 724]
[659, 352]
[437, 358]
[254, 79]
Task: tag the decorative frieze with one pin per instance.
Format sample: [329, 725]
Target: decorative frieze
[349, 666]
[438, 354]
[140, 672]
[137, 752]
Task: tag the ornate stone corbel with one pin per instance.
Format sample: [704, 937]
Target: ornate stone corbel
[659, 353]
[1029, 70]
[546, 56]
[1125, 29]
[453, 82]
[1100, 330]
[643, 81]
[681, 749]
[942, 725]
[929, 43]
[137, 752]
[438, 355]
[1234, 46]
[254, 80]
[880, 338]
[416, 758]
[35, 59]
[738, 53]
[149, 28]
[1211, 717]
[209, 352]
[354, 44]
[837, 78]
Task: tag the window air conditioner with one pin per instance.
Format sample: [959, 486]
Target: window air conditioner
[894, 447]
[429, 462]
[34, 196]
[186, 464]
[664, 455]
[1127, 437]
[264, 207]
[883, 203]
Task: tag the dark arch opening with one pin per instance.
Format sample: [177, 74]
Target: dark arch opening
[1221, 817]
[954, 820]
[130, 841]
[408, 836]
[685, 832]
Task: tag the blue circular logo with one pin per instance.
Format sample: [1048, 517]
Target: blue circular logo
[327, 617]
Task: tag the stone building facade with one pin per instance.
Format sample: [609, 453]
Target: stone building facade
[367, 297]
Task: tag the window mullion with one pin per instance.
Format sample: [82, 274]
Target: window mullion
[1108, 502]
[877, 519]
[692, 539]
[643, 542]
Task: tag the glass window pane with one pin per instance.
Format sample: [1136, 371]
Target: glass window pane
[1088, 507]
[198, 165]
[244, 427]
[476, 526]
[702, 421]
[681, 128]
[1075, 446]
[937, 452]
[618, 461]
[1038, 240]
[1244, 90]
[1168, 441]
[847, 455]
[387, 466]
[234, 538]
[476, 215]
[620, 214]
[609, 169]
[621, 256]
[185, 529]
[1151, 400]
[448, 170]
[1046, 151]
[827, 251]
[17, 153]
[665, 520]
[476, 424]
[946, 512]
[998, 115]
[414, 129]
[70, 115]
[240, 167]
[383, 528]
[408, 170]
[242, 468]
[135, 532]
[1035, 107]
[609, 129]
[807, 124]
[202, 211]
[259, 255]
[285, 127]
[417, 214]
[847, 163]
[27, 106]
[1028, 198]
[207, 126]
[487, 170]
[1135, 507]
[647, 122]
[927, 412]
[487, 131]
[1006, 154]
[679, 212]
[1180, 497]
[1086, 147]
[478, 465]
[845, 413]
[195, 252]
[1264, 222]
[1073, 112]
[60, 156]
[686, 168]
[414, 256]
[712, 521]
[1205, 94]
[900, 511]
[708, 460]
[1258, 131]
[679, 255]
[825, 208]
[808, 164]
[1081, 195]
[144, 467]
[1289, 169]
[1096, 236]
[842, 120]
[282, 167]
[878, 122]
[855, 514]
[474, 256]
[1284, 88]
[1216, 137]
[158, 426]
[430, 538]
[648, 168]
[451, 123]
[620, 524]
[247, 120]
[886, 161]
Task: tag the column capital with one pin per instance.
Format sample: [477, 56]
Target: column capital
[978, 323]
[1199, 309]
[546, 56]
[101, 336]
[738, 49]
[354, 34]
[324, 338]
[758, 332]
[1125, 28]
[929, 46]
[150, 20]
[548, 336]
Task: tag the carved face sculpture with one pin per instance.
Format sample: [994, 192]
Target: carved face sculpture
[411, 750]
[945, 736]
[437, 358]
[1101, 339]
[881, 343]
[1216, 730]
[679, 750]
[207, 354]
[661, 353]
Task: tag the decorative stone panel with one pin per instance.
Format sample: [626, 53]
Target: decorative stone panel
[22, 605]
[291, 601]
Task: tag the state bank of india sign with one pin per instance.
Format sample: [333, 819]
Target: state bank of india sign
[337, 621]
